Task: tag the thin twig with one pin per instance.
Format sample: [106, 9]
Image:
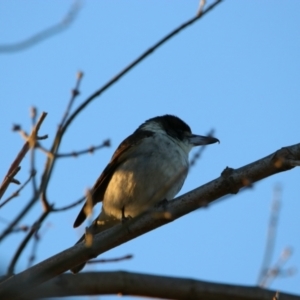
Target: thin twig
[272, 231]
[109, 260]
[277, 269]
[74, 94]
[27, 238]
[17, 192]
[137, 61]
[33, 114]
[91, 149]
[28, 144]
[43, 183]
[37, 238]
[44, 34]
[69, 206]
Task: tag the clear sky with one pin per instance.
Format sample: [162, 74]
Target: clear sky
[235, 71]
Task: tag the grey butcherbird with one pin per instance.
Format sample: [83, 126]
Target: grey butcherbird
[149, 166]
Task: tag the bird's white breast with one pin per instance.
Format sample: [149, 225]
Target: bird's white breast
[155, 170]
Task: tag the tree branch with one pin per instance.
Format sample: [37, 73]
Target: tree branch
[44, 34]
[127, 283]
[230, 182]
[31, 140]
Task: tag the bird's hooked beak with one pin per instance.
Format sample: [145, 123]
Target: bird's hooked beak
[199, 140]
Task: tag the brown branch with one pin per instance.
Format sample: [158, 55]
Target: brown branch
[44, 34]
[9, 178]
[31, 140]
[17, 192]
[33, 115]
[162, 287]
[230, 182]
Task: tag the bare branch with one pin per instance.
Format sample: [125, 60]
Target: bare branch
[137, 61]
[270, 243]
[27, 238]
[33, 115]
[74, 94]
[44, 34]
[277, 270]
[229, 182]
[17, 192]
[70, 205]
[30, 142]
[127, 283]
[37, 238]
[110, 260]
[91, 149]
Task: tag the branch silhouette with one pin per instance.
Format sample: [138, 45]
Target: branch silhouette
[128, 283]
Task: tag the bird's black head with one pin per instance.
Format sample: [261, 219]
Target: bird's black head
[172, 125]
[177, 129]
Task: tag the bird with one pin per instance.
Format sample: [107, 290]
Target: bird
[148, 167]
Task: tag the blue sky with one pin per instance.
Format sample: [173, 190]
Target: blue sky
[236, 71]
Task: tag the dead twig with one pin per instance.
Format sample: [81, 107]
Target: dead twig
[27, 238]
[30, 142]
[17, 192]
[69, 206]
[91, 149]
[272, 231]
[74, 94]
[109, 260]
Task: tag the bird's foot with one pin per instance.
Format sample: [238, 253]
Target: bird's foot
[125, 219]
[162, 203]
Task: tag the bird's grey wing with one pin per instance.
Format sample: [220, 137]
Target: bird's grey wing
[120, 155]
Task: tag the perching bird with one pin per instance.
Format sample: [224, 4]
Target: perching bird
[149, 166]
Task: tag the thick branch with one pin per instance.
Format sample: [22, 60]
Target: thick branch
[126, 283]
[231, 181]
